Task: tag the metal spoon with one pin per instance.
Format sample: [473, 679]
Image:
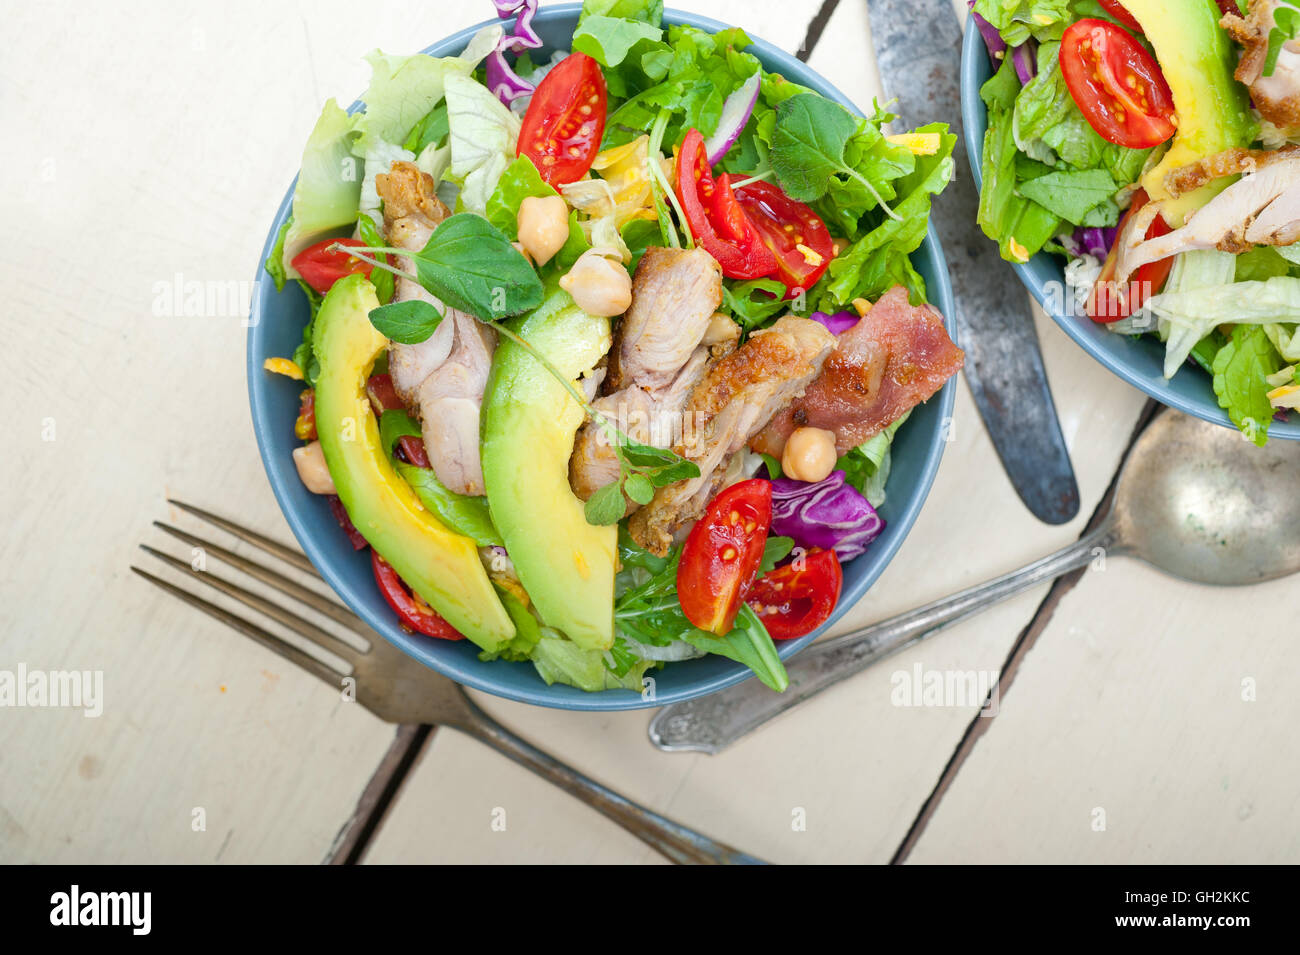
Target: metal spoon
[1194, 500]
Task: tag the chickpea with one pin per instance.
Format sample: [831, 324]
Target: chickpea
[721, 329]
[809, 455]
[310, 460]
[543, 226]
[599, 286]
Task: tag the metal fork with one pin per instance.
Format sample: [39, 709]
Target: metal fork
[397, 689]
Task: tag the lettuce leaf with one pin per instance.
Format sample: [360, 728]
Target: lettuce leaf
[1018, 20]
[327, 194]
[1241, 371]
[483, 134]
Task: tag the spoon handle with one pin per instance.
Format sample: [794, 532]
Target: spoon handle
[711, 723]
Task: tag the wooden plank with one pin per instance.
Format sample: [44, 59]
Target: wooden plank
[856, 765]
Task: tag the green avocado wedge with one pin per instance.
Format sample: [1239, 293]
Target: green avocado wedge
[443, 567]
[1198, 60]
[529, 422]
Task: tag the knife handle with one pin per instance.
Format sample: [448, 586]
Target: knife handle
[713, 722]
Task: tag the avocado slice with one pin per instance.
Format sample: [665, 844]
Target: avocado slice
[443, 567]
[529, 422]
[1197, 59]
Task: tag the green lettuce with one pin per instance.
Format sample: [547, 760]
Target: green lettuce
[483, 133]
[327, 195]
[1241, 371]
[1018, 20]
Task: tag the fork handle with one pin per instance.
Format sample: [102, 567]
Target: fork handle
[680, 845]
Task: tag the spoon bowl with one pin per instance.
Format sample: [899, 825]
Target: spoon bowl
[1201, 503]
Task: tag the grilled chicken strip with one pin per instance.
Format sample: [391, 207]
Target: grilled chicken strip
[662, 348]
[1276, 96]
[896, 357]
[1225, 223]
[442, 378]
[736, 398]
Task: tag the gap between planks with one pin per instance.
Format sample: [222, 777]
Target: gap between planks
[1028, 638]
[354, 838]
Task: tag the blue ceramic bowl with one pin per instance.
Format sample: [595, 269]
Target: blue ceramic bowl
[277, 322]
[1139, 361]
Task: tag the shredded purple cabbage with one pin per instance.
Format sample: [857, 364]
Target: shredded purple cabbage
[992, 39]
[837, 324]
[1025, 59]
[1095, 241]
[830, 514]
[503, 81]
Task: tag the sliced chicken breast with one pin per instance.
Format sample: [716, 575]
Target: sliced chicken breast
[736, 398]
[442, 378]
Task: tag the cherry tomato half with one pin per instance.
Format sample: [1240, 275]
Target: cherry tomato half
[383, 397]
[1116, 10]
[715, 217]
[722, 554]
[1110, 302]
[321, 268]
[796, 235]
[565, 120]
[796, 599]
[413, 612]
[1117, 85]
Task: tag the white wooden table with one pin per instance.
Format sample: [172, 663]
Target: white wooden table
[143, 148]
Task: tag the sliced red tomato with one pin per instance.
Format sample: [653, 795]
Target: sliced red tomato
[1116, 10]
[341, 515]
[565, 120]
[796, 235]
[1117, 85]
[304, 428]
[1110, 302]
[796, 599]
[383, 397]
[321, 267]
[722, 554]
[413, 612]
[716, 218]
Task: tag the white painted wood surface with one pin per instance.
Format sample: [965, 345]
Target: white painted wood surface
[140, 148]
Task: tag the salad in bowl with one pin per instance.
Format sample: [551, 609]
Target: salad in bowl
[1154, 145]
[606, 350]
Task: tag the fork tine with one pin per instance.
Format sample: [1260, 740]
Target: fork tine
[250, 630]
[274, 579]
[287, 554]
[277, 613]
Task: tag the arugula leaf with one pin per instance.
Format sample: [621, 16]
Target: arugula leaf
[409, 322]
[608, 40]
[471, 266]
[748, 643]
[1240, 370]
[463, 514]
[432, 130]
[752, 303]
[808, 145]
[395, 424]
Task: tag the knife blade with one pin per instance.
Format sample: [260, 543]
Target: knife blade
[918, 49]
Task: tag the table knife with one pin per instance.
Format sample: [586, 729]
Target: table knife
[918, 49]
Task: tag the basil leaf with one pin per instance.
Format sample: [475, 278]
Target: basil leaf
[471, 266]
[463, 514]
[639, 489]
[606, 506]
[409, 322]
